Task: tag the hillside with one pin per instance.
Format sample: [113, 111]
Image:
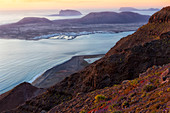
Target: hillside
[18, 96]
[132, 55]
[148, 93]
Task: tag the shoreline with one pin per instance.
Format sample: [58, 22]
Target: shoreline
[57, 73]
[65, 35]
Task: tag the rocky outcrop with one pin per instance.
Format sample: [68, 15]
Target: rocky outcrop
[161, 16]
[18, 96]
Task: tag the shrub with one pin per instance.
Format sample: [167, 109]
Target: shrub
[116, 112]
[121, 98]
[143, 95]
[125, 104]
[99, 98]
[149, 88]
[83, 111]
[160, 93]
[134, 82]
[114, 105]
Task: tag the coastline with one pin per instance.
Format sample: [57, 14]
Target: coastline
[57, 73]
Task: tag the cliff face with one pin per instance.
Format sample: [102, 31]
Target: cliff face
[130, 56]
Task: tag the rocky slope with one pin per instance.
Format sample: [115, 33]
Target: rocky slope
[18, 95]
[148, 93]
[132, 55]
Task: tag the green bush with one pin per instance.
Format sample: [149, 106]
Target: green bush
[83, 111]
[125, 104]
[116, 112]
[99, 98]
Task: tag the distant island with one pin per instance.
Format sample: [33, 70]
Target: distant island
[34, 28]
[135, 9]
[68, 12]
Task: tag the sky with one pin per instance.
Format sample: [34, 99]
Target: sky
[79, 4]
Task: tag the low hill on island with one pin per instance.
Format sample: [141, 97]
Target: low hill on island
[93, 88]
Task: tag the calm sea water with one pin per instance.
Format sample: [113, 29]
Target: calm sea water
[22, 60]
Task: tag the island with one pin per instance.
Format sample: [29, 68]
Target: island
[34, 28]
[135, 9]
[68, 12]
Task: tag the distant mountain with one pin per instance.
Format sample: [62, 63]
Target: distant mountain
[132, 55]
[113, 17]
[68, 13]
[134, 9]
[107, 18]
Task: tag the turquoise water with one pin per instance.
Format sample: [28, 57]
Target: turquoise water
[22, 60]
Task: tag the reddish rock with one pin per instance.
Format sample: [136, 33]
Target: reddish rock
[18, 96]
